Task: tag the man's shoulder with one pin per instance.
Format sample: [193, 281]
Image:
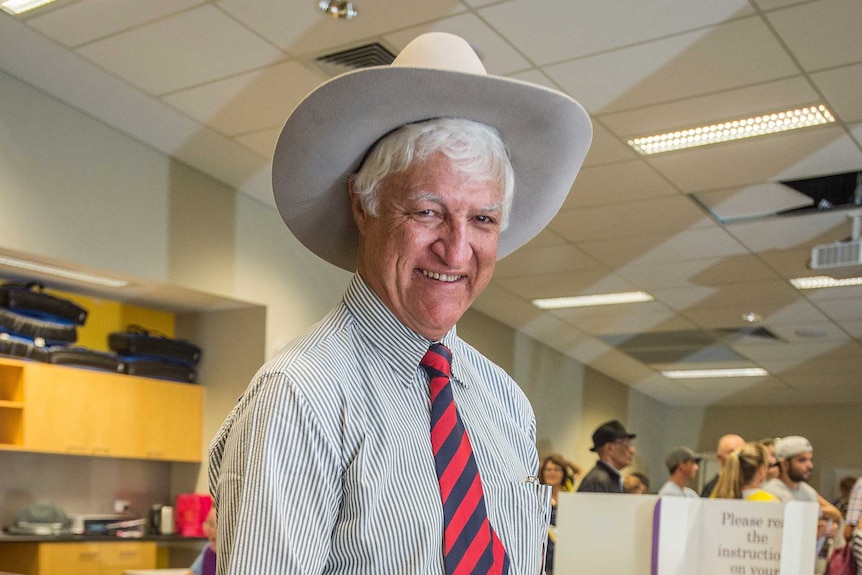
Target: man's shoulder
[778, 488]
[669, 488]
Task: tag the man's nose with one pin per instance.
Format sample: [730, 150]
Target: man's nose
[454, 243]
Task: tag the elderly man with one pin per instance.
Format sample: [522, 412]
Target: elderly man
[682, 464]
[727, 444]
[380, 442]
[613, 444]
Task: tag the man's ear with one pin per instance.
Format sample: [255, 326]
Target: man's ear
[359, 213]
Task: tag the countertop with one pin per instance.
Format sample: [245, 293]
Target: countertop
[15, 538]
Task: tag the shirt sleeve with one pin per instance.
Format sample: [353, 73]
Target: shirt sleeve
[854, 505]
[279, 486]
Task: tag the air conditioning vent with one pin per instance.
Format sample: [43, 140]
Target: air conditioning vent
[837, 255]
[365, 56]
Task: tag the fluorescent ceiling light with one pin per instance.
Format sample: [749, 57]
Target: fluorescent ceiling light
[62, 272]
[590, 300]
[733, 130]
[700, 373]
[817, 282]
[21, 6]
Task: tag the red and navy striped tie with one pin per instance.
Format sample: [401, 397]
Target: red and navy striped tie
[470, 545]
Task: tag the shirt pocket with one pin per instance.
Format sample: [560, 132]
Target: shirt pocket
[520, 514]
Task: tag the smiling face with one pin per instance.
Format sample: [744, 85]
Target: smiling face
[433, 246]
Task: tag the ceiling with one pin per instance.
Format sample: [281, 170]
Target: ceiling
[211, 83]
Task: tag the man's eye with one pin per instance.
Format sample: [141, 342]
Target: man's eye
[485, 219]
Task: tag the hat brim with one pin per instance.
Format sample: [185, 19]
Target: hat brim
[626, 435]
[324, 140]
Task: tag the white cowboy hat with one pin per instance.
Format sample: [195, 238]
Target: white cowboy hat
[437, 75]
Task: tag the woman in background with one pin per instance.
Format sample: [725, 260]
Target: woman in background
[560, 474]
[742, 473]
[205, 564]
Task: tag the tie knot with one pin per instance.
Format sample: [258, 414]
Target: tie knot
[437, 361]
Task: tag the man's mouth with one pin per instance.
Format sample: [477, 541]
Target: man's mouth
[441, 277]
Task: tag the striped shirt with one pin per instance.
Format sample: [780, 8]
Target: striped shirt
[325, 464]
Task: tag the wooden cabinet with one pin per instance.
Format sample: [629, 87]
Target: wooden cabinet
[61, 409]
[77, 558]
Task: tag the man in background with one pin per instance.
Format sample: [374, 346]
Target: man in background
[614, 446]
[727, 444]
[682, 464]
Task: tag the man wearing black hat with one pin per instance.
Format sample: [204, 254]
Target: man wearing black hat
[614, 446]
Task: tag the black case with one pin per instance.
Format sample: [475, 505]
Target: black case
[21, 347]
[30, 299]
[159, 369]
[82, 357]
[33, 328]
[140, 343]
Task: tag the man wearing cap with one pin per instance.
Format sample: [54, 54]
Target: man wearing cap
[380, 442]
[613, 444]
[682, 464]
[795, 456]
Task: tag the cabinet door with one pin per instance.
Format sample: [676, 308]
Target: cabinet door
[56, 411]
[118, 557]
[70, 559]
[174, 431]
[80, 411]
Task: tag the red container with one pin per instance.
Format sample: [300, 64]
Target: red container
[190, 512]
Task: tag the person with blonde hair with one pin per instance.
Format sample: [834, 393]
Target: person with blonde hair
[560, 474]
[742, 473]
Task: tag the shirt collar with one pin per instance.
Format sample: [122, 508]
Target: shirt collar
[400, 346]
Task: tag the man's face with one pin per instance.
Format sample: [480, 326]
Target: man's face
[433, 247]
[689, 469]
[799, 468]
[620, 453]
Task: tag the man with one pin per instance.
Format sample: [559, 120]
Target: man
[796, 463]
[772, 471]
[362, 446]
[727, 444]
[613, 444]
[682, 464]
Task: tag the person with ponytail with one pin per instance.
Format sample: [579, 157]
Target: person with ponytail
[742, 473]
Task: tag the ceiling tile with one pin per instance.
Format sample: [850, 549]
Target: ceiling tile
[758, 200]
[645, 74]
[663, 248]
[299, 27]
[617, 183]
[821, 34]
[574, 28]
[854, 328]
[773, 314]
[543, 260]
[754, 296]
[842, 310]
[746, 162]
[262, 142]
[773, 4]
[190, 48]
[607, 148]
[656, 215]
[584, 282]
[841, 87]
[672, 274]
[502, 305]
[88, 20]
[743, 102]
[244, 103]
[788, 232]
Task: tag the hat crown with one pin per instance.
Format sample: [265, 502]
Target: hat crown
[441, 51]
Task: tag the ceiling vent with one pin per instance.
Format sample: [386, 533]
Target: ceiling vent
[365, 56]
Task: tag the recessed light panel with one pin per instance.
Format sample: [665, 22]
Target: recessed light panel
[21, 6]
[733, 130]
[818, 282]
[709, 373]
[591, 300]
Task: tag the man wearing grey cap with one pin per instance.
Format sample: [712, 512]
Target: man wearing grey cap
[682, 464]
[796, 461]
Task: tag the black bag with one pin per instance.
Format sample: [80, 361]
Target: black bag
[159, 369]
[33, 328]
[82, 357]
[30, 299]
[139, 343]
[21, 347]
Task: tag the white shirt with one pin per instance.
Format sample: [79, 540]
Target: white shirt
[671, 488]
[325, 464]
